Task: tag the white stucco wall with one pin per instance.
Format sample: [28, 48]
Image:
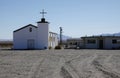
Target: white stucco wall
[20, 37]
[107, 43]
[56, 40]
[53, 40]
[91, 46]
[43, 33]
[110, 45]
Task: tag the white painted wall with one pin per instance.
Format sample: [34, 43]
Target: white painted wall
[110, 45]
[43, 33]
[56, 40]
[53, 40]
[91, 46]
[20, 37]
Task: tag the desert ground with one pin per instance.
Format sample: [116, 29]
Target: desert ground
[60, 63]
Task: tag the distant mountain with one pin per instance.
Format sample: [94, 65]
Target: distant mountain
[6, 40]
[114, 34]
[64, 37]
[117, 34]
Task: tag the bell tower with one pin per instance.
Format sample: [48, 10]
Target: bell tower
[43, 32]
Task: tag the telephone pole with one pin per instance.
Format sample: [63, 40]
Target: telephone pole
[61, 31]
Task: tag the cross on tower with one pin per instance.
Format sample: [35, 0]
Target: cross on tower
[43, 12]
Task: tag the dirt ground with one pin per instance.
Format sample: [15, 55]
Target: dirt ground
[60, 64]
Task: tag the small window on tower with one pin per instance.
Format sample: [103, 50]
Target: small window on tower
[30, 29]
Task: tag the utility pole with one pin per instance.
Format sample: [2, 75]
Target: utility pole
[61, 30]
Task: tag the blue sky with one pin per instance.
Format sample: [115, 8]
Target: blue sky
[77, 17]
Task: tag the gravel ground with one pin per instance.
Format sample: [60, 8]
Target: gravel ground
[60, 63]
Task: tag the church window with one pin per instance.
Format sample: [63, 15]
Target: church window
[30, 29]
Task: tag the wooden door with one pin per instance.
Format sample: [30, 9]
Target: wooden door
[31, 44]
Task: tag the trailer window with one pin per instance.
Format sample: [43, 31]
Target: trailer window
[91, 41]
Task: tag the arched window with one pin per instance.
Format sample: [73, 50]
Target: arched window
[30, 29]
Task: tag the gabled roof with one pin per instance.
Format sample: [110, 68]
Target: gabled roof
[53, 33]
[25, 27]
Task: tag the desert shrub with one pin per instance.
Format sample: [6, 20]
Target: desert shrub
[58, 47]
[50, 47]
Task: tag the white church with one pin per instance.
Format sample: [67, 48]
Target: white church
[35, 37]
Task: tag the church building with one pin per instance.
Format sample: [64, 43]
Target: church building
[35, 37]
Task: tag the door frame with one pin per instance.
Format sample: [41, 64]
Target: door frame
[101, 44]
[30, 44]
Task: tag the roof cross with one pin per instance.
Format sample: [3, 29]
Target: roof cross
[43, 13]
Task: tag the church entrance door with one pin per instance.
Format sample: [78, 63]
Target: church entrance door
[31, 44]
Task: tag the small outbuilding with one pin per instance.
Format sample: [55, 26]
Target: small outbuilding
[6, 44]
[101, 42]
[73, 43]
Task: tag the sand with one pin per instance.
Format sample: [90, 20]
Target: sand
[60, 64]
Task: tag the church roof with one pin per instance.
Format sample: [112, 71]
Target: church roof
[32, 26]
[25, 27]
